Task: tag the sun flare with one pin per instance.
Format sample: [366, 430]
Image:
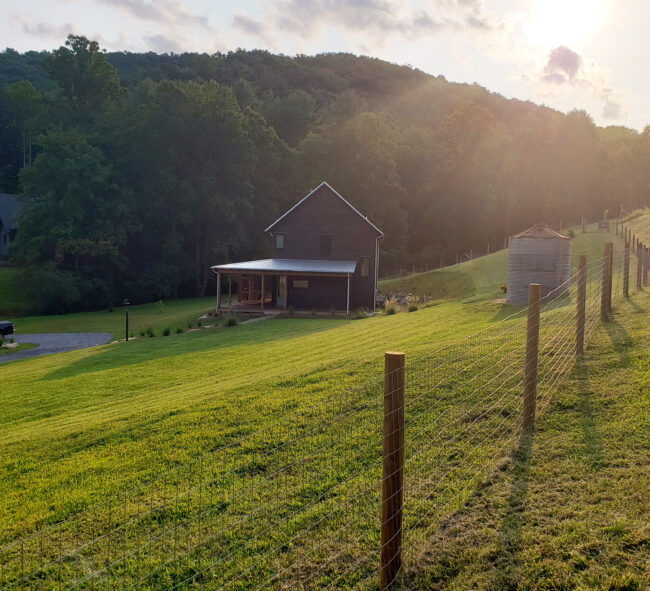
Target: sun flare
[564, 22]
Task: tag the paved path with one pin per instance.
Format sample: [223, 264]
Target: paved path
[58, 342]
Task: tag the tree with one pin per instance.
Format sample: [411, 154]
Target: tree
[87, 79]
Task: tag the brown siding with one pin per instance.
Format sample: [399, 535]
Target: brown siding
[352, 238]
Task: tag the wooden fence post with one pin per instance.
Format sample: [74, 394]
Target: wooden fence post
[610, 274]
[604, 290]
[639, 266]
[626, 271]
[645, 265]
[584, 223]
[532, 355]
[581, 311]
[617, 226]
[393, 469]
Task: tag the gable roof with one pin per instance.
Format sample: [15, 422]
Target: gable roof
[325, 184]
[541, 230]
[9, 209]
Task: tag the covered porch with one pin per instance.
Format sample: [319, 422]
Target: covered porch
[279, 284]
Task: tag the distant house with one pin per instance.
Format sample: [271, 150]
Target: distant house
[326, 257]
[9, 209]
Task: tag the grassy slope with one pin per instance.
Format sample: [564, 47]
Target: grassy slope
[639, 223]
[155, 402]
[484, 276]
[172, 314]
[571, 512]
[82, 425]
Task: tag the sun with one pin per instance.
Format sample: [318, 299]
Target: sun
[564, 22]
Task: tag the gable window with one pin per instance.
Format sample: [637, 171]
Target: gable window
[279, 241]
[325, 244]
[364, 266]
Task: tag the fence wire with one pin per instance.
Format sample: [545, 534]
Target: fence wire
[298, 503]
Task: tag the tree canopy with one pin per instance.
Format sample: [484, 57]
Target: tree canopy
[139, 171]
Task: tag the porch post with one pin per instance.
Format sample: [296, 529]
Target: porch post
[262, 292]
[347, 309]
[230, 291]
[218, 290]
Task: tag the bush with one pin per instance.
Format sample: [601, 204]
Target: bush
[160, 307]
[179, 330]
[189, 325]
[413, 308]
[166, 332]
[199, 323]
[142, 332]
[231, 321]
[150, 332]
[390, 310]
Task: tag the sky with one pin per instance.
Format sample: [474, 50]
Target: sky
[567, 54]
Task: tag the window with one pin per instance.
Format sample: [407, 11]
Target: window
[300, 283]
[279, 241]
[364, 266]
[326, 244]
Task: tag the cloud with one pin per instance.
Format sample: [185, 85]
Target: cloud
[170, 12]
[563, 61]
[613, 110]
[161, 44]
[47, 30]
[253, 27]
[377, 18]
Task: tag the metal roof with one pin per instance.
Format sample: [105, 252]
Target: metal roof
[326, 184]
[541, 230]
[291, 266]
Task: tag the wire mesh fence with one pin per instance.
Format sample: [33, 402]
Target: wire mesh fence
[298, 503]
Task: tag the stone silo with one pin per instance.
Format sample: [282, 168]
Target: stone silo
[537, 255]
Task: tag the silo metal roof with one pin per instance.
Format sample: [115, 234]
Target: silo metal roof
[541, 230]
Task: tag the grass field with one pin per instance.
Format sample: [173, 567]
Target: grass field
[82, 426]
[20, 347]
[639, 223]
[170, 314]
[571, 511]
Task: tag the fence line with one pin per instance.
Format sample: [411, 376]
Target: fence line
[300, 499]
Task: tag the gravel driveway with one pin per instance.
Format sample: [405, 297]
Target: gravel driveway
[56, 342]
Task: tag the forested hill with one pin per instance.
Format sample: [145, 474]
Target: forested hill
[141, 170]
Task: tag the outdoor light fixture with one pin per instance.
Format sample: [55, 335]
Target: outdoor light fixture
[126, 305]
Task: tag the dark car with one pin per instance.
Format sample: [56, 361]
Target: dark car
[6, 327]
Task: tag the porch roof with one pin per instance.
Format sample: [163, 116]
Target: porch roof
[304, 266]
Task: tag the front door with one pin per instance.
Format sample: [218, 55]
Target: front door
[281, 295]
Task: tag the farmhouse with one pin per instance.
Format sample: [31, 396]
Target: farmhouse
[326, 256]
[9, 209]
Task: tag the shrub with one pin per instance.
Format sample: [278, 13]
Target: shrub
[179, 330]
[160, 307]
[391, 310]
[199, 323]
[11, 340]
[150, 332]
[189, 325]
[142, 332]
[231, 321]
[571, 233]
[166, 332]
[413, 308]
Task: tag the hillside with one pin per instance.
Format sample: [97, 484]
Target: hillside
[439, 167]
[484, 276]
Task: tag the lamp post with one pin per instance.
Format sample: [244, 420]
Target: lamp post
[126, 305]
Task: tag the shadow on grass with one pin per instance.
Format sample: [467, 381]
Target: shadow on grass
[146, 349]
[592, 438]
[512, 524]
[622, 342]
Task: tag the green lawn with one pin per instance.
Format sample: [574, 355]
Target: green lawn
[294, 408]
[571, 509]
[170, 314]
